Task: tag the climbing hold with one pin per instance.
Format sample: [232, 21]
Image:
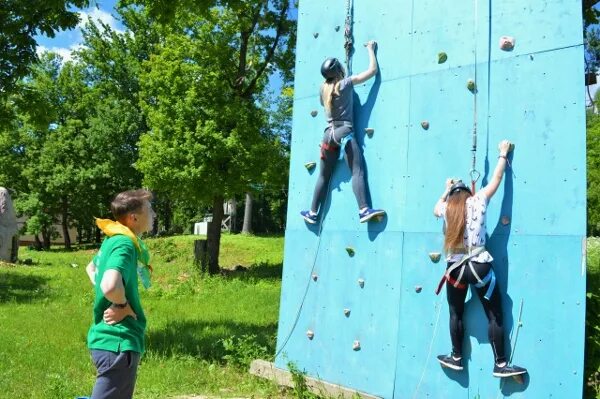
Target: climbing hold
[471, 85]
[361, 283]
[442, 57]
[316, 34]
[310, 334]
[418, 288]
[337, 28]
[347, 312]
[314, 113]
[425, 125]
[356, 346]
[505, 220]
[507, 43]
[310, 165]
[369, 131]
[315, 277]
[531, 57]
[350, 251]
[435, 256]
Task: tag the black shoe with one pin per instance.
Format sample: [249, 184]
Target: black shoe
[450, 362]
[508, 371]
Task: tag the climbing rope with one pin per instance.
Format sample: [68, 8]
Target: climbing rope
[310, 275]
[349, 42]
[474, 173]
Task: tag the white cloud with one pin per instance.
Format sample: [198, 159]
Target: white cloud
[98, 15]
[65, 53]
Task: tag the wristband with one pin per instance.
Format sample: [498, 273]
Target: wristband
[121, 305]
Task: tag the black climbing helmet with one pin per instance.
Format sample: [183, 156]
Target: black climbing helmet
[457, 186]
[331, 68]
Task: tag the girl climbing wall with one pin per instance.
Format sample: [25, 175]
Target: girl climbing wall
[470, 264]
[338, 138]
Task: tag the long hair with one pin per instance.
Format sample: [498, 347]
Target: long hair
[456, 220]
[330, 88]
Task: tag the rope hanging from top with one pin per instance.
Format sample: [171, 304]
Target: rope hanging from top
[349, 41]
[474, 173]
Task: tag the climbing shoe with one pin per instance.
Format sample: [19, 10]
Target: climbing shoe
[450, 362]
[309, 217]
[508, 371]
[369, 214]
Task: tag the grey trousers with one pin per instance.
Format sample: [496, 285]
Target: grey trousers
[329, 157]
[117, 372]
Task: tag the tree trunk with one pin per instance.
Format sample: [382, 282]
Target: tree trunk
[38, 243]
[247, 227]
[214, 235]
[45, 238]
[65, 223]
[167, 216]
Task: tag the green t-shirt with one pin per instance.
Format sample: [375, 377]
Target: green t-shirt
[119, 253]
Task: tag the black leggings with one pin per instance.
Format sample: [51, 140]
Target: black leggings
[492, 308]
[329, 157]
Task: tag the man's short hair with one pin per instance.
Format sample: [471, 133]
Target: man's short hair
[128, 202]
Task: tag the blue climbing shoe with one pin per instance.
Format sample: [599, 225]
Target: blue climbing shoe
[369, 214]
[450, 362]
[309, 217]
[508, 371]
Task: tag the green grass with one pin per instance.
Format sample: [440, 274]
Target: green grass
[45, 312]
[202, 331]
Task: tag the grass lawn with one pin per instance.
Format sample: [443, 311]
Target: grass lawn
[202, 331]
[45, 312]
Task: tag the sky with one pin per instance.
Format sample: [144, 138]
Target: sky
[66, 41]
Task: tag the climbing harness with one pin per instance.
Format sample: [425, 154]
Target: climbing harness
[349, 41]
[465, 261]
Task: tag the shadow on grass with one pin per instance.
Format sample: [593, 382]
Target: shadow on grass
[205, 341]
[21, 288]
[258, 271]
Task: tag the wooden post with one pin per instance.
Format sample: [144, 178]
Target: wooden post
[201, 254]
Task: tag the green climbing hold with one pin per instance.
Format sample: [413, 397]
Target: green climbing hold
[471, 85]
[442, 57]
[310, 165]
[435, 256]
[350, 251]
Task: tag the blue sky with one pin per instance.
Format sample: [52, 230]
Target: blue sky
[104, 10]
[66, 41]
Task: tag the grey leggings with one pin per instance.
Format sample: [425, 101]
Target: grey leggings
[330, 151]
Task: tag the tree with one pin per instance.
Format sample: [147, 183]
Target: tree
[201, 91]
[593, 174]
[20, 21]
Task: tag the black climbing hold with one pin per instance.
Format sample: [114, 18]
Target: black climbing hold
[350, 251]
[418, 288]
[315, 277]
[442, 57]
[347, 312]
[425, 125]
[356, 346]
[316, 34]
[314, 113]
[310, 334]
[310, 165]
[361, 283]
[369, 131]
[337, 28]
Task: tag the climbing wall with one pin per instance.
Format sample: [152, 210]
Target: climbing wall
[371, 321]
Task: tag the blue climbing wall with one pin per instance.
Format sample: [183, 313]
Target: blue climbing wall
[532, 95]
